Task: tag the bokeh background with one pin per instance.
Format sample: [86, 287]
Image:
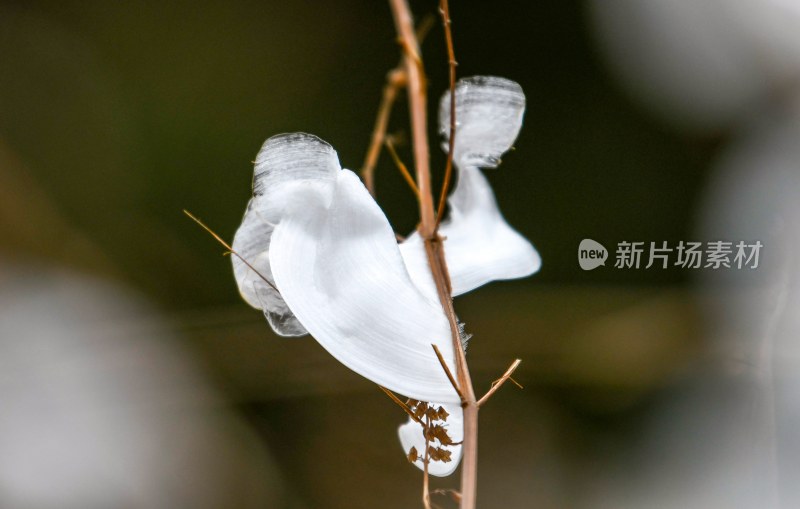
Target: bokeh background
[133, 376]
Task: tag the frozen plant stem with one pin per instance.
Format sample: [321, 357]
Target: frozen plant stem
[415, 84]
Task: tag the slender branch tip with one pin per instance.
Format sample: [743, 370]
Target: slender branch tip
[500, 381]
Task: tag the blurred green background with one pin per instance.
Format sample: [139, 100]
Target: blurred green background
[115, 116]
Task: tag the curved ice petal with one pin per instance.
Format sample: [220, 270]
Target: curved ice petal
[412, 435]
[479, 245]
[339, 269]
[489, 114]
[289, 168]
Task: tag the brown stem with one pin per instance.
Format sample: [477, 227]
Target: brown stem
[417, 97]
[469, 462]
[426, 495]
[401, 166]
[394, 81]
[444, 9]
[447, 372]
[433, 243]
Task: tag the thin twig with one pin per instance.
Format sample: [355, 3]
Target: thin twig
[399, 403]
[444, 9]
[499, 382]
[426, 496]
[395, 80]
[229, 248]
[401, 166]
[447, 372]
[423, 27]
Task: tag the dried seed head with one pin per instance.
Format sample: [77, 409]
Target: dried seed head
[439, 454]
